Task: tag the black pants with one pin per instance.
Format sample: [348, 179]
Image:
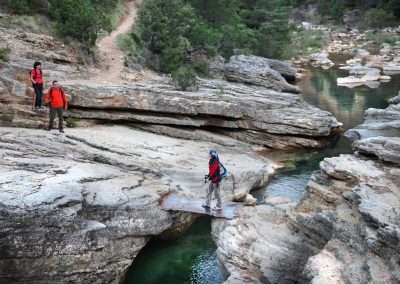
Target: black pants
[39, 94]
[53, 112]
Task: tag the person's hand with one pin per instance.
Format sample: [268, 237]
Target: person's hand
[34, 82]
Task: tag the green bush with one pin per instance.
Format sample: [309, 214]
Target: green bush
[5, 54]
[202, 34]
[382, 38]
[379, 18]
[71, 123]
[126, 43]
[184, 77]
[79, 20]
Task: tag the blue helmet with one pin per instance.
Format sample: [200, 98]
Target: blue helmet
[213, 153]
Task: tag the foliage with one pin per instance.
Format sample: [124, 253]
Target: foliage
[163, 27]
[169, 29]
[80, 20]
[71, 123]
[126, 43]
[379, 18]
[5, 54]
[382, 38]
[184, 77]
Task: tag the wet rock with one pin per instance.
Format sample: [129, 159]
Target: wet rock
[256, 70]
[320, 59]
[371, 75]
[276, 200]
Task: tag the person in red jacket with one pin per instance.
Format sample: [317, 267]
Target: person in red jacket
[58, 102]
[37, 83]
[213, 177]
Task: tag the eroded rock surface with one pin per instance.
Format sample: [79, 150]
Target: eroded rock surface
[79, 207]
[345, 230]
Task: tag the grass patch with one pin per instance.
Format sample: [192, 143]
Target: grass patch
[382, 38]
[31, 23]
[6, 119]
[5, 54]
[71, 123]
[306, 42]
[126, 43]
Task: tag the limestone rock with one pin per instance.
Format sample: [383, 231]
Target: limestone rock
[78, 207]
[255, 70]
[321, 59]
[250, 200]
[276, 200]
[385, 148]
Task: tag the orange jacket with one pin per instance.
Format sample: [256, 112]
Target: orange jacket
[57, 98]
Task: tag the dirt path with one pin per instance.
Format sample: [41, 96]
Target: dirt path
[112, 58]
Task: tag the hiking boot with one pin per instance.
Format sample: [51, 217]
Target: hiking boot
[216, 208]
[47, 129]
[36, 107]
[61, 130]
[205, 205]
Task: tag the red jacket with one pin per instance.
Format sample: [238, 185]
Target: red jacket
[57, 98]
[37, 75]
[213, 167]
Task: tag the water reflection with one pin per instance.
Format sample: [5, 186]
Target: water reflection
[347, 105]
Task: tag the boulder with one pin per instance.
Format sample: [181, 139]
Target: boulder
[352, 18]
[255, 70]
[320, 59]
[371, 75]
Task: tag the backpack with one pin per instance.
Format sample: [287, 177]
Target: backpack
[224, 172]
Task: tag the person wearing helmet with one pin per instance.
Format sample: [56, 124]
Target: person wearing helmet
[213, 178]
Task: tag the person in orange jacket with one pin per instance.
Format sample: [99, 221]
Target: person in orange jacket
[58, 102]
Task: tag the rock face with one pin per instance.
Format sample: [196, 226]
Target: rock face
[378, 122]
[345, 230]
[79, 207]
[251, 112]
[260, 71]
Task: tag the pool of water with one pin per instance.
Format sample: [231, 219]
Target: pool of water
[192, 257]
[347, 105]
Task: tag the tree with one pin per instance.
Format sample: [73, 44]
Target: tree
[164, 26]
[79, 19]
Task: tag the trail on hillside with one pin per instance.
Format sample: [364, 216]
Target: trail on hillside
[113, 58]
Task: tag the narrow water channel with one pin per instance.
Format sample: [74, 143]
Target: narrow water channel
[192, 257]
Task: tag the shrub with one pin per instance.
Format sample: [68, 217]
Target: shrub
[6, 119]
[126, 43]
[163, 27]
[5, 54]
[70, 122]
[79, 20]
[206, 36]
[379, 18]
[184, 77]
[382, 38]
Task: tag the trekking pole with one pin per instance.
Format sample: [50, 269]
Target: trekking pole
[44, 117]
[33, 99]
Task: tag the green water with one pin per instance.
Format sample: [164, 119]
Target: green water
[348, 106]
[192, 257]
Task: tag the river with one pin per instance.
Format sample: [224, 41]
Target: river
[192, 257]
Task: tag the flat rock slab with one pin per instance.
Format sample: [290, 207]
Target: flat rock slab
[180, 203]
